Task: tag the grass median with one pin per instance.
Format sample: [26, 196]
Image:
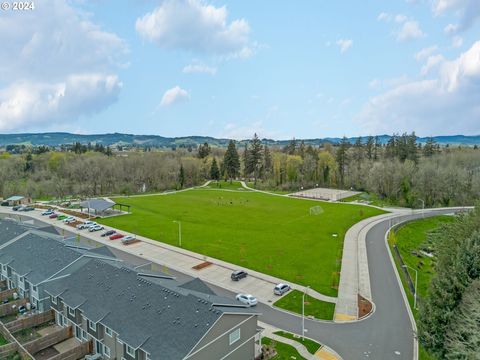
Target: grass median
[292, 301]
[284, 351]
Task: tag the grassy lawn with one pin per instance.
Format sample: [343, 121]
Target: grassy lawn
[319, 309]
[271, 234]
[284, 351]
[226, 185]
[310, 345]
[3, 341]
[410, 239]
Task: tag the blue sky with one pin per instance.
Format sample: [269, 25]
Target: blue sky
[282, 69]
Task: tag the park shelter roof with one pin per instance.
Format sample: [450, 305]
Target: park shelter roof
[99, 205]
[15, 198]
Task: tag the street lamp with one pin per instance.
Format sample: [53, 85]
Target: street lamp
[423, 208]
[416, 282]
[179, 232]
[303, 312]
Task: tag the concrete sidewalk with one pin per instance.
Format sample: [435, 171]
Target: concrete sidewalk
[217, 273]
[324, 353]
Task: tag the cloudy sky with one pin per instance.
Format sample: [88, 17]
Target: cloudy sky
[224, 68]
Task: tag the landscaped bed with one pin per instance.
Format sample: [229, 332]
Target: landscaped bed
[284, 351]
[271, 234]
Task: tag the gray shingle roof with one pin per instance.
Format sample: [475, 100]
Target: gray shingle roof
[9, 230]
[37, 256]
[164, 322]
[197, 285]
[99, 205]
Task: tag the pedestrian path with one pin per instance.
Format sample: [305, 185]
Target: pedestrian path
[323, 353]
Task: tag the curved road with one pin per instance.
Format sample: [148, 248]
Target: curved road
[387, 333]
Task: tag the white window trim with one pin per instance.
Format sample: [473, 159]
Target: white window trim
[92, 326]
[71, 311]
[234, 334]
[105, 352]
[108, 331]
[127, 348]
[54, 300]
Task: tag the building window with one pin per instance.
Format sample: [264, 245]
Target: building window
[34, 288]
[84, 335]
[108, 331]
[106, 351]
[71, 311]
[54, 300]
[92, 326]
[234, 336]
[130, 350]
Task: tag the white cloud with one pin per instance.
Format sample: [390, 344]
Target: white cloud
[199, 68]
[344, 44]
[468, 12]
[400, 18]
[447, 103]
[457, 41]
[26, 104]
[410, 30]
[174, 95]
[383, 16]
[450, 29]
[425, 52]
[193, 25]
[432, 62]
[55, 65]
[237, 132]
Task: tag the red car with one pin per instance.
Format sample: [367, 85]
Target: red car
[53, 216]
[116, 236]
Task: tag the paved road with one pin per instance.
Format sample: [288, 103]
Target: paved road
[386, 334]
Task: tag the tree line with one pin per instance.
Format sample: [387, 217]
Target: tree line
[401, 171]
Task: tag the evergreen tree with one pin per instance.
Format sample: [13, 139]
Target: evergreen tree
[247, 170]
[231, 161]
[429, 148]
[342, 158]
[301, 149]
[181, 176]
[214, 171]
[204, 150]
[255, 157]
[291, 148]
[376, 147]
[358, 151]
[369, 147]
[267, 161]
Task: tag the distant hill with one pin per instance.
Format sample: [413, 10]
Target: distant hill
[60, 138]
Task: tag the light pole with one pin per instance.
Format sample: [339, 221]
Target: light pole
[423, 208]
[179, 232]
[303, 313]
[416, 282]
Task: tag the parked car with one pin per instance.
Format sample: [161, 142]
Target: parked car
[86, 225]
[281, 289]
[238, 274]
[116, 236]
[48, 212]
[17, 207]
[28, 208]
[62, 217]
[108, 233]
[4, 203]
[69, 219]
[53, 216]
[247, 299]
[95, 228]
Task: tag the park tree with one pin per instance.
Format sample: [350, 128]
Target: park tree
[370, 147]
[231, 161]
[429, 149]
[181, 176]
[342, 159]
[267, 162]
[214, 171]
[204, 150]
[255, 155]
[291, 147]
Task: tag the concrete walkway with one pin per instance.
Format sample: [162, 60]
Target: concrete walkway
[324, 353]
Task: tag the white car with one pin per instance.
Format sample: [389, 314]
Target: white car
[69, 219]
[86, 225]
[247, 299]
[281, 289]
[95, 228]
[48, 212]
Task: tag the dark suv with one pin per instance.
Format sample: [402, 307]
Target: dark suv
[238, 274]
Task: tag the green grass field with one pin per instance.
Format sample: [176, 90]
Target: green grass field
[3, 341]
[318, 309]
[284, 351]
[311, 346]
[409, 238]
[271, 234]
[226, 185]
